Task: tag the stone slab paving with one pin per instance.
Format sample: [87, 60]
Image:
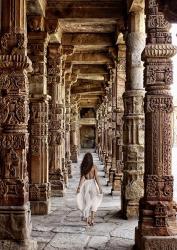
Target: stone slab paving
[63, 228]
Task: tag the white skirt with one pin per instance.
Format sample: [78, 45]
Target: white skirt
[89, 197]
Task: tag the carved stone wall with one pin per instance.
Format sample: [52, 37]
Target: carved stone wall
[157, 222]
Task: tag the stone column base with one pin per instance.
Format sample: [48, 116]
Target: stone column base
[57, 188]
[130, 210]
[154, 242]
[20, 245]
[15, 223]
[116, 185]
[39, 195]
[57, 183]
[68, 166]
[111, 176]
[107, 166]
[40, 207]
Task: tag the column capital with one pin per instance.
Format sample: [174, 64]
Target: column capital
[35, 23]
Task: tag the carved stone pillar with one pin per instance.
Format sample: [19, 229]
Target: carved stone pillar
[133, 128]
[67, 128]
[99, 135]
[38, 123]
[113, 126]
[54, 77]
[74, 128]
[108, 128]
[15, 215]
[157, 227]
[120, 88]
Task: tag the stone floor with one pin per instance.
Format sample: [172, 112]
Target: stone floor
[63, 228]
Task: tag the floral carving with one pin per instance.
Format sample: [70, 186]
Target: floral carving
[159, 188]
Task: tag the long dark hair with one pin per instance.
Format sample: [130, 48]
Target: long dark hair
[87, 164]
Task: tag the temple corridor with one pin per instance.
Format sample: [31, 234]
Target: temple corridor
[63, 228]
[79, 74]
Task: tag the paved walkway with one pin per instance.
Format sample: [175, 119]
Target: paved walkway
[63, 228]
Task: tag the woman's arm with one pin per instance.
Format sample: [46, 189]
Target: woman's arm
[82, 178]
[97, 180]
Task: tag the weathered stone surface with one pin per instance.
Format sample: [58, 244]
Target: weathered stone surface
[157, 242]
[98, 242]
[118, 243]
[23, 245]
[64, 240]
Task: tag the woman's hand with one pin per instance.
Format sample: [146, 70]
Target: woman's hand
[100, 191]
[78, 190]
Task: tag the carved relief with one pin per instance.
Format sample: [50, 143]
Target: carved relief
[159, 188]
[156, 205]
[35, 23]
[39, 192]
[12, 43]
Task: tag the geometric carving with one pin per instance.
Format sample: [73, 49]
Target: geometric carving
[39, 192]
[160, 215]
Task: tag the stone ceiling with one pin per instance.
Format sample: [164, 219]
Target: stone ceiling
[91, 28]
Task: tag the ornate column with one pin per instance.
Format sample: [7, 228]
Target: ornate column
[108, 128]
[67, 128]
[15, 215]
[120, 88]
[98, 133]
[113, 126]
[157, 227]
[74, 127]
[54, 77]
[102, 132]
[133, 128]
[38, 123]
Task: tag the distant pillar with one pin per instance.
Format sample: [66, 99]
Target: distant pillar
[120, 88]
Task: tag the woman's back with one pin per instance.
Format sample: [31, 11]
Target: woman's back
[91, 174]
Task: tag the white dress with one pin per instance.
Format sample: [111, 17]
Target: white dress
[89, 197]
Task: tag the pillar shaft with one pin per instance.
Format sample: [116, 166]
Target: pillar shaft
[120, 88]
[14, 187]
[67, 128]
[108, 128]
[157, 222]
[38, 124]
[133, 128]
[54, 77]
[74, 130]
[113, 125]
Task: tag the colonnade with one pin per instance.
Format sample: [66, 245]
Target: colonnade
[39, 124]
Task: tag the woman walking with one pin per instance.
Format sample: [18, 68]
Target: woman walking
[89, 192]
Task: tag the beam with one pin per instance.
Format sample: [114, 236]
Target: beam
[83, 9]
[91, 39]
[90, 58]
